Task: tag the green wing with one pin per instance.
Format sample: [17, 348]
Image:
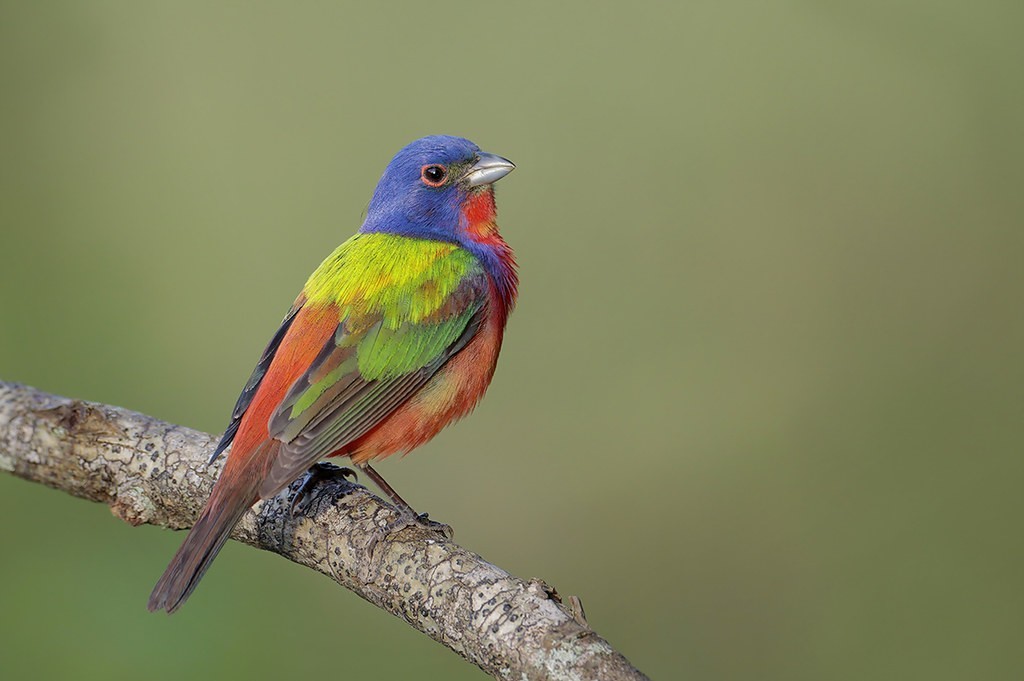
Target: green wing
[364, 373]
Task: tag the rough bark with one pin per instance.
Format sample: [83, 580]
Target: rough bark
[153, 472]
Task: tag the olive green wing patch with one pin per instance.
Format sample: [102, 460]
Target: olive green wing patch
[361, 376]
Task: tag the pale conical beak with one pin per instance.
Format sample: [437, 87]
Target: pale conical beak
[488, 169]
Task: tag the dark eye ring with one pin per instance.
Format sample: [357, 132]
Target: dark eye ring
[433, 174]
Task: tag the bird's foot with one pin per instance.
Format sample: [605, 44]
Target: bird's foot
[409, 518]
[406, 516]
[319, 472]
[403, 519]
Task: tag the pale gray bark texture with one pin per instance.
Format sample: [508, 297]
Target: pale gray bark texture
[153, 472]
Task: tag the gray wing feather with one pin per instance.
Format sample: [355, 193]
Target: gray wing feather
[337, 422]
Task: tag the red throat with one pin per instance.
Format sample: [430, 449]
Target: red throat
[479, 212]
[480, 225]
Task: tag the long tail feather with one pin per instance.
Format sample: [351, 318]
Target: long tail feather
[230, 499]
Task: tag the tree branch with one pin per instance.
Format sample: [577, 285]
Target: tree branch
[153, 472]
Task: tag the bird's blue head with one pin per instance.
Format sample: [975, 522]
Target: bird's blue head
[428, 186]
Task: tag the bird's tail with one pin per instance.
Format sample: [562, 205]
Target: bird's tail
[230, 499]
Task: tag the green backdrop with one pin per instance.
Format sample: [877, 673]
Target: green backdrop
[761, 403]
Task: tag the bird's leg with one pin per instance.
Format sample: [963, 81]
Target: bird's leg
[317, 473]
[379, 480]
[407, 516]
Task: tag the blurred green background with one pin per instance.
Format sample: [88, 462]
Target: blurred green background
[761, 403]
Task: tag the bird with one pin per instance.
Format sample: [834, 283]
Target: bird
[394, 336]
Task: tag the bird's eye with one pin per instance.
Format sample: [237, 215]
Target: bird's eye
[433, 175]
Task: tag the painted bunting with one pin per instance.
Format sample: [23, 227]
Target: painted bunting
[393, 337]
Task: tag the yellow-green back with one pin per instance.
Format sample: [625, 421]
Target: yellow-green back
[401, 279]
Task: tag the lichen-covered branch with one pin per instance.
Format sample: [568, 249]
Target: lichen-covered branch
[153, 472]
